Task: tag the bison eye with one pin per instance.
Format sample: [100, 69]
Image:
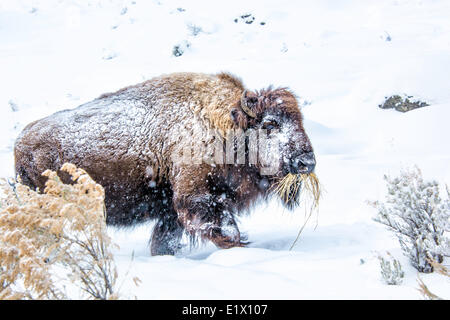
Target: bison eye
[270, 125]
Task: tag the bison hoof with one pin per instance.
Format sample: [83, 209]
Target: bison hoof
[244, 243]
[163, 249]
[225, 239]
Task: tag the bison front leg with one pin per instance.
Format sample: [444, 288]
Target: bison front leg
[204, 214]
[166, 236]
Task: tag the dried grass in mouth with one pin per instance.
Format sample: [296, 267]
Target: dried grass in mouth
[292, 186]
[289, 187]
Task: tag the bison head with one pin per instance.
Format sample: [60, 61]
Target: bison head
[276, 114]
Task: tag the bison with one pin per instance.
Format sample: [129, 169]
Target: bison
[129, 141]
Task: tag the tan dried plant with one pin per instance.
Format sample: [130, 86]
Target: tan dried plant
[423, 289]
[48, 238]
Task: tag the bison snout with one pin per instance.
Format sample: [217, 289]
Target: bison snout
[305, 163]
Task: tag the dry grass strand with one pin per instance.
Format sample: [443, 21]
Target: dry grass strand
[290, 188]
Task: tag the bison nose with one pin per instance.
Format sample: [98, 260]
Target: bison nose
[305, 163]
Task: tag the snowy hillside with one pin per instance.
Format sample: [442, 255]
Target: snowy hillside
[342, 58]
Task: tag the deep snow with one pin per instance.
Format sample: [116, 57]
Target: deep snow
[340, 57]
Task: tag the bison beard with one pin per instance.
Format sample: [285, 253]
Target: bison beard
[126, 141]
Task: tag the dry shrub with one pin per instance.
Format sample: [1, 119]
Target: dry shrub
[46, 239]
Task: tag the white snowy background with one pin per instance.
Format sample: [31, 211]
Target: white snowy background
[342, 58]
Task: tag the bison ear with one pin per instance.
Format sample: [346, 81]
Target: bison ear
[234, 115]
[248, 103]
[239, 118]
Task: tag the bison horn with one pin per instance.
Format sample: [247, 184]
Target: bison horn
[244, 105]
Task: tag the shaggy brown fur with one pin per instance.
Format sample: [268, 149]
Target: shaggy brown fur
[126, 141]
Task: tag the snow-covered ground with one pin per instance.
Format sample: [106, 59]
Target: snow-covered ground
[340, 57]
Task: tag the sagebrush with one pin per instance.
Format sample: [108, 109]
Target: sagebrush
[418, 216]
[55, 240]
[391, 269]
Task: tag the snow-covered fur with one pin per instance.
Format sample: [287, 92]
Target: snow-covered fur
[127, 142]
